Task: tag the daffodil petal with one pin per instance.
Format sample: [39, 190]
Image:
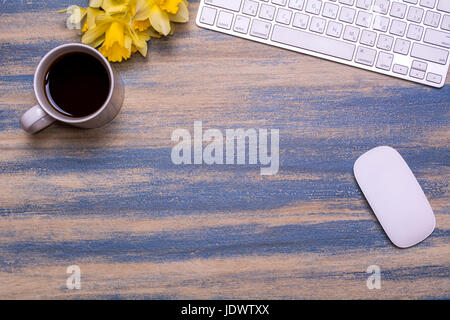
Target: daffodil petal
[91, 36]
[85, 28]
[160, 20]
[128, 43]
[144, 35]
[103, 19]
[115, 53]
[153, 33]
[139, 39]
[143, 8]
[92, 14]
[143, 50]
[115, 35]
[114, 6]
[141, 25]
[182, 14]
[98, 42]
[171, 6]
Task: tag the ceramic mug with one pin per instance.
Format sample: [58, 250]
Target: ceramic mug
[44, 114]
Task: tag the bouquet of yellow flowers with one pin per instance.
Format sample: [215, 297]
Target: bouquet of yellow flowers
[123, 27]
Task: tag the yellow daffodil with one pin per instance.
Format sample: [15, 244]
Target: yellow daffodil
[116, 46]
[159, 14]
[116, 36]
[122, 27]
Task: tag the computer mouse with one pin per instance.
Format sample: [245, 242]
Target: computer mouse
[395, 196]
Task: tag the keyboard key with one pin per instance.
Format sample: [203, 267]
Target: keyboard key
[415, 32]
[381, 6]
[267, 12]
[279, 2]
[241, 24]
[334, 29]
[364, 19]
[260, 29]
[411, 1]
[296, 4]
[384, 61]
[368, 38]
[419, 65]
[208, 16]
[435, 78]
[438, 38]
[402, 46]
[300, 20]
[234, 5]
[317, 25]
[400, 69]
[385, 42]
[381, 23]
[365, 56]
[398, 10]
[417, 74]
[347, 15]
[330, 10]
[284, 16]
[415, 14]
[432, 19]
[444, 5]
[313, 42]
[347, 2]
[398, 28]
[364, 4]
[351, 33]
[313, 6]
[446, 23]
[427, 53]
[428, 3]
[225, 20]
[250, 7]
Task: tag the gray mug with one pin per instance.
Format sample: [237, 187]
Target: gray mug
[42, 115]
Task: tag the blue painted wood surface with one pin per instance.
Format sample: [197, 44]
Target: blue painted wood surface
[110, 200]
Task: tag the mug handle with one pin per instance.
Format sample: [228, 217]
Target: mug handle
[35, 120]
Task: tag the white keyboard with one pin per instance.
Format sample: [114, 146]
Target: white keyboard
[408, 39]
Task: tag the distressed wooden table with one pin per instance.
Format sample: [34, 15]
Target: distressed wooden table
[111, 201]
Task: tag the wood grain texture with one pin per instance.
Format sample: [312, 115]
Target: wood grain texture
[111, 201]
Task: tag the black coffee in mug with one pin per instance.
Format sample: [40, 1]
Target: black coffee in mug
[77, 84]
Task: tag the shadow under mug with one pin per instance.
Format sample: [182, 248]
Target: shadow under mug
[42, 115]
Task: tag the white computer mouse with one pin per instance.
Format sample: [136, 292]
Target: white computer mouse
[395, 196]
